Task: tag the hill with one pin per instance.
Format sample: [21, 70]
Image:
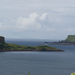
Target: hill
[14, 47]
[70, 38]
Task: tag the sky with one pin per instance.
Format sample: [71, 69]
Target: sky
[37, 19]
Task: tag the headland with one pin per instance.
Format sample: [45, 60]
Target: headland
[4, 47]
[70, 40]
[13, 47]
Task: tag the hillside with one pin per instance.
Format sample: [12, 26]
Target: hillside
[70, 38]
[14, 47]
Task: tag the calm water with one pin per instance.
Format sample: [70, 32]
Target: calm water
[38, 63]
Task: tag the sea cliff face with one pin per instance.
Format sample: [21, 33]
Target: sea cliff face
[2, 39]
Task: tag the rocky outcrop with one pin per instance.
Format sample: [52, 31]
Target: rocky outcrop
[2, 39]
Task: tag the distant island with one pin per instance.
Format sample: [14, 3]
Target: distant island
[13, 47]
[70, 40]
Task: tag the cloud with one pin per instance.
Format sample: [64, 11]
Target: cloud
[17, 17]
[30, 23]
[33, 22]
[44, 17]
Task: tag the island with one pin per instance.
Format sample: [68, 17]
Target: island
[70, 40]
[13, 47]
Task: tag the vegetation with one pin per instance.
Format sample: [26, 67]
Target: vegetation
[73, 73]
[70, 38]
[7, 46]
[28, 73]
[44, 47]
[14, 47]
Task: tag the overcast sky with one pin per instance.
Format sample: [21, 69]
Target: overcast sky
[37, 19]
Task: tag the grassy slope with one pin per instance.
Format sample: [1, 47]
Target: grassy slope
[70, 38]
[6, 46]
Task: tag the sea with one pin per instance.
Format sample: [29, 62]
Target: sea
[37, 63]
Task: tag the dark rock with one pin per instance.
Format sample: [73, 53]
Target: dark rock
[2, 39]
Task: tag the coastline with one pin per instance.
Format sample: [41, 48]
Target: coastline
[52, 50]
[57, 43]
[4, 47]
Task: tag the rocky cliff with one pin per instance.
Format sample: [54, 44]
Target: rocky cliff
[2, 39]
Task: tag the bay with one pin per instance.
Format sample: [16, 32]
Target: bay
[38, 63]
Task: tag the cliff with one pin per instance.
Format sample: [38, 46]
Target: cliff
[2, 39]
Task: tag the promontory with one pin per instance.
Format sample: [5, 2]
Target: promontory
[70, 40]
[13, 47]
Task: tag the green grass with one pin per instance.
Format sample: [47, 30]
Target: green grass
[70, 38]
[8, 46]
[44, 47]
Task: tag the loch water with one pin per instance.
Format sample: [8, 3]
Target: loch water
[38, 63]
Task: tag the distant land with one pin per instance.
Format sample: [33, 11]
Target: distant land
[70, 40]
[13, 47]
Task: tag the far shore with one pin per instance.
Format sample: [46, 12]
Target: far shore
[58, 50]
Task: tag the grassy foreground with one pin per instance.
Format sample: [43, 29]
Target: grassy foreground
[73, 73]
[14, 47]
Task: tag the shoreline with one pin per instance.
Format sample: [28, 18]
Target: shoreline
[4, 47]
[57, 43]
[52, 50]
